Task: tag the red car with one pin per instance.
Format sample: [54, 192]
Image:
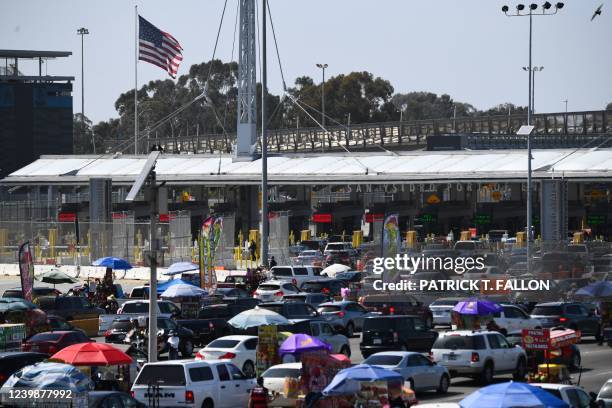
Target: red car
[52, 342]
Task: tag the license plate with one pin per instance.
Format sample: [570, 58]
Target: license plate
[450, 357]
[376, 341]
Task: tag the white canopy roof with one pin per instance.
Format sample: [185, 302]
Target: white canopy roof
[328, 168]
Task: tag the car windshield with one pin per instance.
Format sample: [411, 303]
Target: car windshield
[46, 337]
[547, 311]
[269, 286]
[383, 360]
[140, 307]
[556, 393]
[459, 343]
[378, 324]
[336, 247]
[223, 343]
[281, 373]
[606, 391]
[329, 309]
[164, 375]
[281, 271]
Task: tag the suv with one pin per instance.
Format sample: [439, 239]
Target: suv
[395, 333]
[312, 299]
[345, 316]
[274, 290]
[69, 307]
[323, 331]
[328, 286]
[193, 383]
[512, 319]
[479, 354]
[403, 304]
[573, 315]
[296, 274]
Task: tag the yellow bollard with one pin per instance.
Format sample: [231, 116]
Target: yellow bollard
[520, 239]
[357, 238]
[305, 235]
[52, 241]
[410, 239]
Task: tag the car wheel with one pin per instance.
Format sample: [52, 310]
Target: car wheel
[444, 384]
[486, 377]
[350, 329]
[576, 361]
[346, 351]
[598, 335]
[521, 370]
[208, 404]
[248, 369]
[187, 349]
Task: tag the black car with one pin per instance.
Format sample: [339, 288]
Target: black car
[573, 315]
[339, 257]
[114, 399]
[206, 329]
[395, 333]
[350, 276]
[291, 310]
[120, 327]
[13, 361]
[312, 299]
[231, 293]
[36, 292]
[329, 287]
[59, 323]
[69, 307]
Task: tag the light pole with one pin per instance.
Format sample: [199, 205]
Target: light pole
[322, 66]
[533, 72]
[520, 12]
[83, 32]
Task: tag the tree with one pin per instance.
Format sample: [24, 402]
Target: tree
[505, 109]
[609, 107]
[428, 105]
[82, 134]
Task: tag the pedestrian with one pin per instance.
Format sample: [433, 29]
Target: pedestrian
[272, 262]
[259, 395]
[253, 249]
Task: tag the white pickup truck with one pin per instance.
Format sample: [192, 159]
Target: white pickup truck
[136, 308]
[192, 383]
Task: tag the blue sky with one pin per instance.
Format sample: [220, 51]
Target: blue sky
[467, 48]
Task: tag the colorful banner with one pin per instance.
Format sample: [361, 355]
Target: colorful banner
[267, 348]
[391, 239]
[26, 270]
[210, 235]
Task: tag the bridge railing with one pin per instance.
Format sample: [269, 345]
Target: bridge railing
[556, 127]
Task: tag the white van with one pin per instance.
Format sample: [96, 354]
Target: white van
[296, 274]
[192, 383]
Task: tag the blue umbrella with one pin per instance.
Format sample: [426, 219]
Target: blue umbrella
[49, 376]
[347, 380]
[597, 289]
[477, 307]
[180, 267]
[112, 262]
[511, 394]
[183, 290]
[161, 287]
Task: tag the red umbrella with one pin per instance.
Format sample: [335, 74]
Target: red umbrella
[92, 354]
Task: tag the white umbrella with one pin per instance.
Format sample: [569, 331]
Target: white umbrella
[183, 290]
[332, 270]
[180, 267]
[257, 317]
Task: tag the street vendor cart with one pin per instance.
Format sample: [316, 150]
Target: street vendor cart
[552, 343]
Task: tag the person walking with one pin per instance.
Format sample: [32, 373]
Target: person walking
[253, 249]
[259, 395]
[272, 262]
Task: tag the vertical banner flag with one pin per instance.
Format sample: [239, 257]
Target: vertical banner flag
[391, 242]
[26, 270]
[158, 47]
[210, 235]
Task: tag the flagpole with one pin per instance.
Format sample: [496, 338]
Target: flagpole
[136, 80]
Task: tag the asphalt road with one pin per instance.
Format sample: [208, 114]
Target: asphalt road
[596, 360]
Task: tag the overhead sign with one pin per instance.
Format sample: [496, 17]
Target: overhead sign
[322, 218]
[374, 217]
[66, 216]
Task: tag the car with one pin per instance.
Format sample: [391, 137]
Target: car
[13, 361]
[512, 319]
[422, 373]
[404, 304]
[207, 329]
[240, 350]
[36, 292]
[51, 342]
[441, 310]
[345, 316]
[574, 396]
[69, 307]
[296, 274]
[135, 308]
[59, 323]
[479, 354]
[395, 333]
[291, 310]
[114, 399]
[328, 286]
[312, 299]
[488, 272]
[573, 315]
[227, 310]
[309, 257]
[193, 383]
[119, 327]
[338, 246]
[340, 257]
[322, 330]
[231, 293]
[139, 292]
[274, 380]
[274, 290]
[351, 277]
[604, 397]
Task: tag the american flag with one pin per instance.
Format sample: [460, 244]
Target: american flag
[158, 47]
